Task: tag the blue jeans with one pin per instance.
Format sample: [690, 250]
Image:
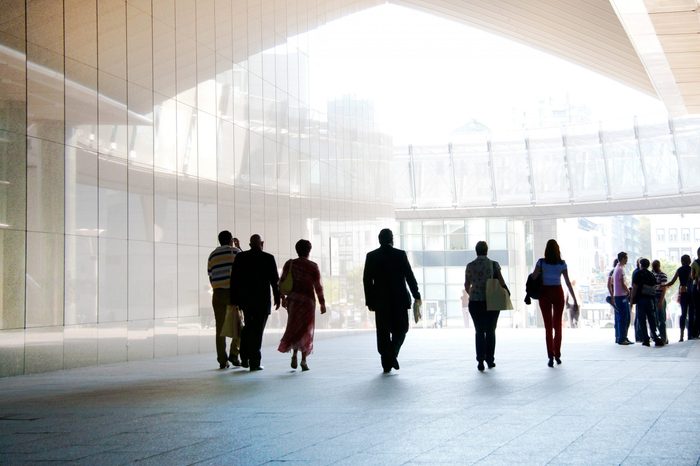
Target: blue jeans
[622, 318]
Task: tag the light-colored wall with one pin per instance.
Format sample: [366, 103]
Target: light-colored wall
[131, 132]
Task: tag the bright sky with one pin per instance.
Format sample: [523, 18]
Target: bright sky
[428, 76]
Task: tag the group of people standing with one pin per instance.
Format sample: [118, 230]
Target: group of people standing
[648, 294]
[246, 284]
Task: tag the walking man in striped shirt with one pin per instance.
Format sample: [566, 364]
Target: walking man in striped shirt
[219, 269]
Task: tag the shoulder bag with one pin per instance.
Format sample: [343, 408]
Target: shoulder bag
[497, 298]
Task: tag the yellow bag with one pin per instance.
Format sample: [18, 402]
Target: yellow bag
[287, 284]
[497, 298]
[231, 327]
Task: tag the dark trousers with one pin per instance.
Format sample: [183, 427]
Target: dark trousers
[252, 335]
[687, 313]
[392, 326]
[646, 313]
[552, 307]
[485, 326]
[695, 312]
[219, 301]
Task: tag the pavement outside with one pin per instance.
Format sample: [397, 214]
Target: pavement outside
[606, 404]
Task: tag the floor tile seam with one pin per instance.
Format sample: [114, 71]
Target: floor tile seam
[602, 418]
[650, 426]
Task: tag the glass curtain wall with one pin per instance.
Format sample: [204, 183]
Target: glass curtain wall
[131, 132]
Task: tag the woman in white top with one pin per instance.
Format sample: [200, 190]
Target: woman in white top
[552, 297]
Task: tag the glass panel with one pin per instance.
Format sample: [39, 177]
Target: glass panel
[472, 174]
[45, 96]
[81, 31]
[207, 213]
[43, 350]
[45, 24]
[164, 53]
[113, 201]
[112, 115]
[687, 138]
[206, 78]
[13, 181]
[80, 346]
[12, 279]
[165, 134]
[476, 231]
[113, 276]
[45, 165]
[456, 235]
[81, 105]
[165, 280]
[586, 164]
[433, 177]
[139, 47]
[12, 360]
[165, 207]
[140, 340]
[44, 288]
[401, 176]
[81, 280]
[624, 167]
[141, 282]
[187, 281]
[187, 207]
[206, 126]
[186, 49]
[13, 85]
[141, 203]
[550, 178]
[511, 171]
[111, 37]
[186, 140]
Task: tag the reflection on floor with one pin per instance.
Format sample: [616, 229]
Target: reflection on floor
[606, 404]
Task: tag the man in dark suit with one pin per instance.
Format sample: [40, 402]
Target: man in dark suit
[254, 273]
[386, 273]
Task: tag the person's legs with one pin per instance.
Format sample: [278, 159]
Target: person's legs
[546, 308]
[491, 321]
[618, 325]
[399, 329]
[234, 349]
[684, 313]
[384, 347]
[692, 315]
[477, 309]
[557, 313]
[642, 312]
[661, 320]
[219, 301]
[257, 327]
[624, 306]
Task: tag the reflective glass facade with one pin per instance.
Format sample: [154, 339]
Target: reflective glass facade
[131, 132]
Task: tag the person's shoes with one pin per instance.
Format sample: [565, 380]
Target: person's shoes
[550, 362]
[658, 342]
[558, 360]
[294, 361]
[244, 363]
[395, 364]
[480, 366]
[646, 343]
[627, 342]
[491, 364]
[223, 365]
[387, 370]
[681, 340]
[235, 362]
[256, 368]
[304, 366]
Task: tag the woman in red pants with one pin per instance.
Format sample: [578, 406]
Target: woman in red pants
[552, 297]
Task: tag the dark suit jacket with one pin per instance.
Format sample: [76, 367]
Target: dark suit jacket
[386, 273]
[253, 273]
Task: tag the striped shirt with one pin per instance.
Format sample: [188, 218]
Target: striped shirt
[661, 279]
[219, 266]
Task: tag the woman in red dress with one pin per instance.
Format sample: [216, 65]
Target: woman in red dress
[301, 304]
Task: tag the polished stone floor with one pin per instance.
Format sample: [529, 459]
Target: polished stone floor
[606, 404]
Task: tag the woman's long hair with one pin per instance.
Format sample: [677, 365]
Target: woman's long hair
[552, 255]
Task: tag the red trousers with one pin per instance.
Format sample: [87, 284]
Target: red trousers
[552, 307]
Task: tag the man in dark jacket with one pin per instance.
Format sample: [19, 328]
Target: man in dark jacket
[386, 273]
[254, 273]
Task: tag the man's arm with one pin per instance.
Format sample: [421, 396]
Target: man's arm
[410, 278]
[274, 280]
[368, 282]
